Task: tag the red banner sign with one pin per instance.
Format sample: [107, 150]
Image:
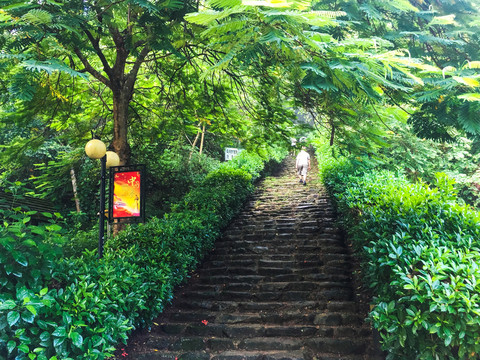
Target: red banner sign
[126, 194]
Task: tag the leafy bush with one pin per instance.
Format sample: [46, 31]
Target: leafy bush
[80, 240]
[172, 172]
[80, 307]
[28, 256]
[420, 252]
[253, 164]
[421, 159]
[27, 252]
[231, 187]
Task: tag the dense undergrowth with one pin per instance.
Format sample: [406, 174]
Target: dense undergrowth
[52, 307]
[420, 252]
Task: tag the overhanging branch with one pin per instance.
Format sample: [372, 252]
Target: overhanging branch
[89, 68]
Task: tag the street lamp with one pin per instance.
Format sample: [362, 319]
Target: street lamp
[96, 149]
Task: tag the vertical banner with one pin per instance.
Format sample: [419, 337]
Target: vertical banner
[127, 198]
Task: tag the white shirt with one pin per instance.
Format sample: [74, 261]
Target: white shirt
[302, 158]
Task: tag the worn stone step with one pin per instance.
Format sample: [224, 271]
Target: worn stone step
[265, 270]
[331, 293]
[253, 355]
[283, 318]
[235, 306]
[270, 344]
[286, 316]
[241, 331]
[275, 257]
[325, 274]
[182, 344]
[258, 248]
[248, 355]
[223, 278]
[278, 286]
[288, 242]
[268, 263]
[198, 344]
[339, 346]
[315, 239]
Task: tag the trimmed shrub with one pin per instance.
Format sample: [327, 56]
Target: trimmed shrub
[81, 308]
[420, 252]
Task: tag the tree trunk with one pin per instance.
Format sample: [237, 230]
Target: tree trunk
[121, 100]
[74, 186]
[203, 137]
[195, 141]
[332, 134]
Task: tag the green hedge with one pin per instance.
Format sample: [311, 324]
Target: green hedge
[420, 252]
[81, 308]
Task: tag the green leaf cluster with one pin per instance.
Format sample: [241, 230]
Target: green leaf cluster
[420, 253]
[81, 308]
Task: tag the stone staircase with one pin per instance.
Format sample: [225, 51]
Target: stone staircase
[277, 287]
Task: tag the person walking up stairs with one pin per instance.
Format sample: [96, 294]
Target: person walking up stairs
[302, 164]
[278, 286]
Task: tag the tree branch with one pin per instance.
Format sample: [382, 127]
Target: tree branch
[96, 45]
[132, 75]
[89, 68]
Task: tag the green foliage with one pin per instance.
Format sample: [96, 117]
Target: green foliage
[172, 172]
[251, 163]
[422, 158]
[221, 193]
[80, 307]
[27, 252]
[28, 257]
[420, 254]
[79, 239]
[50, 67]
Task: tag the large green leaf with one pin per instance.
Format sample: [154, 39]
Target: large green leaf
[38, 17]
[13, 317]
[470, 97]
[51, 66]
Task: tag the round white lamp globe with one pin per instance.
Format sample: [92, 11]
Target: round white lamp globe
[112, 159]
[95, 149]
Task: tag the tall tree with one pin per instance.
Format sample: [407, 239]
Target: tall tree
[108, 40]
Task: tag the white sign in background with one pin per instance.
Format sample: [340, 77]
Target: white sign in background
[230, 153]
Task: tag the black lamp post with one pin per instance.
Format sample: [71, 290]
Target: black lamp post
[96, 149]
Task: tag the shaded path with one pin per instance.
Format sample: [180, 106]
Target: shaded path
[278, 286]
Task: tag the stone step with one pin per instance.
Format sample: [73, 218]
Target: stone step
[327, 245]
[252, 355]
[332, 294]
[224, 355]
[218, 305]
[275, 257]
[248, 330]
[260, 248]
[299, 285]
[333, 267]
[333, 275]
[260, 262]
[285, 317]
[243, 331]
[214, 344]
[343, 346]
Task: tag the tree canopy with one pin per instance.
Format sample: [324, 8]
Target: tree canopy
[223, 72]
